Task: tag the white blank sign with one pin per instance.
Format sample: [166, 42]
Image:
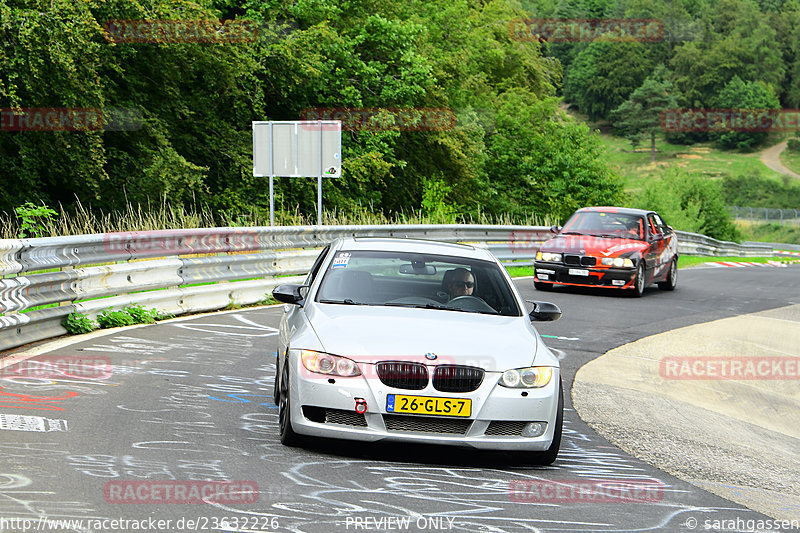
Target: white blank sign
[292, 148]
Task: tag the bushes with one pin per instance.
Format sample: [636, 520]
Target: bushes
[756, 190]
[689, 203]
[78, 323]
[141, 315]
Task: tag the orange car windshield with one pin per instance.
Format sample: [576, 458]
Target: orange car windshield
[603, 224]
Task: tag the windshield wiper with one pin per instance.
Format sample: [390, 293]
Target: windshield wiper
[346, 301]
[435, 306]
[571, 233]
[610, 236]
[417, 306]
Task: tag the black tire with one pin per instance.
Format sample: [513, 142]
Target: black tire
[276, 394]
[548, 456]
[288, 436]
[639, 281]
[671, 282]
[542, 286]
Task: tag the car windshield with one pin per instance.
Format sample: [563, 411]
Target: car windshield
[605, 224]
[425, 281]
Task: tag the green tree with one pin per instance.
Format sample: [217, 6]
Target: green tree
[739, 41]
[641, 113]
[745, 96]
[542, 161]
[688, 202]
[605, 74]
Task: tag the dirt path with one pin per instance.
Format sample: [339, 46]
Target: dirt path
[772, 158]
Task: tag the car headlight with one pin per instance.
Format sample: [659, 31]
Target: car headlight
[549, 257]
[331, 365]
[619, 262]
[532, 377]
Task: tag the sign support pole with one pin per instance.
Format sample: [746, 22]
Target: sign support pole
[271, 180]
[271, 201]
[319, 178]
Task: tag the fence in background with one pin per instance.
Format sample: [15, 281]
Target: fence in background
[42, 281]
[766, 215]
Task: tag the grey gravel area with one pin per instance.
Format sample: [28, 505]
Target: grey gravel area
[733, 457]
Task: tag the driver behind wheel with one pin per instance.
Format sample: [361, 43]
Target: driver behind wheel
[461, 282]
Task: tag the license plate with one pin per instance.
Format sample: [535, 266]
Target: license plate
[425, 405]
[578, 272]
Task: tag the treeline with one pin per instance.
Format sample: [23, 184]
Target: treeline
[714, 54]
[187, 107]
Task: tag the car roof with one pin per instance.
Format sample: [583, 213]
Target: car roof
[413, 245]
[620, 210]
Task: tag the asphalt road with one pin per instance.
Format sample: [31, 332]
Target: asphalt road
[191, 400]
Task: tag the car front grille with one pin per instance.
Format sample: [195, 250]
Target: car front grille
[424, 424]
[402, 375]
[502, 428]
[454, 378]
[579, 260]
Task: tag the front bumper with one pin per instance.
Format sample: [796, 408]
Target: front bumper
[617, 278]
[320, 408]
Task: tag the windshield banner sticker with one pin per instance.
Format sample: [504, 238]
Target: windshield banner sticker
[341, 260]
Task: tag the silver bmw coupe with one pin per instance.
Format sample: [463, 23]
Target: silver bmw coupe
[413, 340]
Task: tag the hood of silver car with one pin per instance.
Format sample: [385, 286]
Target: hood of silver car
[375, 333]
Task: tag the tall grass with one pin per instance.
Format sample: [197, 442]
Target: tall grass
[768, 232]
[81, 220]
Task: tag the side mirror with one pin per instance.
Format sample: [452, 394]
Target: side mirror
[544, 312]
[555, 229]
[288, 294]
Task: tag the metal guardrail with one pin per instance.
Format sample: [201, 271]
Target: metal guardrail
[196, 270]
[777, 246]
[696, 244]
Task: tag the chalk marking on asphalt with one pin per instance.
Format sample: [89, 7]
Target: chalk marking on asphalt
[561, 338]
